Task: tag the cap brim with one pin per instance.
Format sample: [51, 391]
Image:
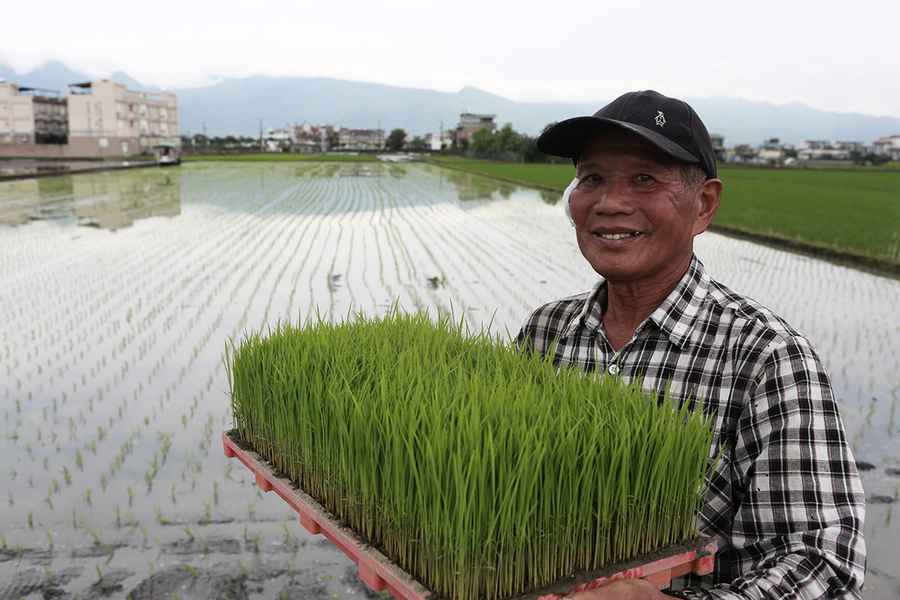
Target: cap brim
[568, 138]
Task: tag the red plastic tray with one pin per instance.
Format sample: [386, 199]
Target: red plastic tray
[380, 574]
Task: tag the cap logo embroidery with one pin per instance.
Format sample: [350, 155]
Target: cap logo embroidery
[660, 118]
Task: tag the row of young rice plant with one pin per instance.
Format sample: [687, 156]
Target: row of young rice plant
[482, 471]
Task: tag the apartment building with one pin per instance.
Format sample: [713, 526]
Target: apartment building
[888, 146]
[107, 119]
[94, 119]
[360, 139]
[314, 138]
[470, 123]
[32, 116]
[16, 115]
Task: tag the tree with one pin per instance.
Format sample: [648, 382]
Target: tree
[504, 144]
[395, 139]
[332, 138]
[418, 143]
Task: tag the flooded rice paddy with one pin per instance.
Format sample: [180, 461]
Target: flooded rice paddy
[118, 292]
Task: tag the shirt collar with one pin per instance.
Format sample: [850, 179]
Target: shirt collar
[675, 316]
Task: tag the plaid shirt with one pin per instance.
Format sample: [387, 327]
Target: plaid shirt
[785, 502]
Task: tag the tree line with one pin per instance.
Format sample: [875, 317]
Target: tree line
[505, 144]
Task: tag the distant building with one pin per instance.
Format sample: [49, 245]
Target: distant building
[277, 140]
[32, 116]
[718, 144]
[470, 123]
[93, 119]
[360, 139]
[16, 116]
[743, 153]
[771, 152]
[51, 119]
[313, 138]
[828, 150]
[106, 118]
[887, 146]
[439, 141]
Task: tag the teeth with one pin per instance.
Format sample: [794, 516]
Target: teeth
[618, 236]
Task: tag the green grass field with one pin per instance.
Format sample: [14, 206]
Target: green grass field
[282, 157]
[851, 213]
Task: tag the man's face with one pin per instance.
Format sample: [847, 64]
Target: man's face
[635, 218]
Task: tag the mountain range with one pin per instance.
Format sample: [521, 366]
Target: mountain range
[236, 106]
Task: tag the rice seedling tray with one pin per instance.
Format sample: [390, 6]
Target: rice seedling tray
[379, 573]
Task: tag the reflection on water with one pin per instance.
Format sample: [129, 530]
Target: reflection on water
[105, 200]
[25, 166]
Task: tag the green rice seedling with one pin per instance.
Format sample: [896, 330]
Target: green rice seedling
[207, 513]
[483, 472]
[160, 519]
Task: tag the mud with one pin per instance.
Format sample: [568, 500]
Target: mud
[191, 583]
[206, 546]
[879, 499]
[96, 551]
[30, 581]
[304, 586]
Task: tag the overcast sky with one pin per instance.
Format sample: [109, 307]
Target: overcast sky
[827, 54]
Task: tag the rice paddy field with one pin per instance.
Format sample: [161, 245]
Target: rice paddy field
[120, 290]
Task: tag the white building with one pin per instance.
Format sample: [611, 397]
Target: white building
[439, 141]
[277, 139]
[361, 139]
[828, 150]
[16, 115]
[106, 118]
[888, 146]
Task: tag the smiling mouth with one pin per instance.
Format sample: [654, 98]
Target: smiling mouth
[630, 235]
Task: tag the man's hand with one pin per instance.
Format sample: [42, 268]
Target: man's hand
[623, 589]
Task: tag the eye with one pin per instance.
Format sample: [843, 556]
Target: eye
[589, 182]
[644, 179]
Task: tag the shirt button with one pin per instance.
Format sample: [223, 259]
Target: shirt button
[613, 369]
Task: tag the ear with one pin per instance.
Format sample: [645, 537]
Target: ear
[709, 196]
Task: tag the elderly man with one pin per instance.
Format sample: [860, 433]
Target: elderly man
[784, 501]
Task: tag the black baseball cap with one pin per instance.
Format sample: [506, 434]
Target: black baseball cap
[668, 123]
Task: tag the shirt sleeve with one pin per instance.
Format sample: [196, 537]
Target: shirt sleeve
[796, 496]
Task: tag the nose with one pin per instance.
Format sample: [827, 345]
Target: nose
[610, 198]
